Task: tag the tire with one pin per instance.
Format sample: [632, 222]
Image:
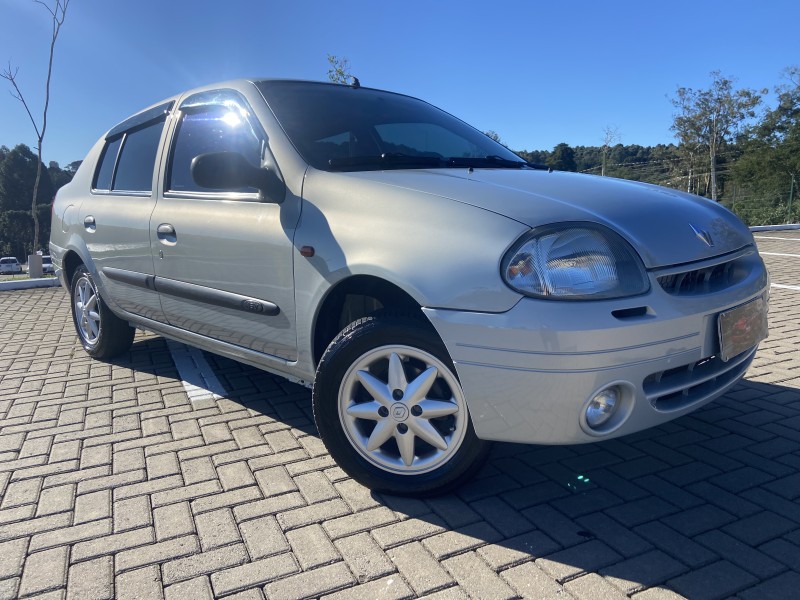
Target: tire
[390, 409]
[102, 333]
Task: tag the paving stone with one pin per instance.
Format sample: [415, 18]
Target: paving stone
[162, 465]
[759, 528]
[476, 578]
[422, 571]
[312, 547]
[148, 487]
[315, 487]
[643, 571]
[453, 511]
[263, 537]
[91, 579]
[268, 506]
[13, 556]
[216, 529]
[591, 587]
[22, 492]
[740, 554]
[157, 553]
[364, 557]
[173, 520]
[254, 573]
[235, 475]
[44, 571]
[388, 588]
[188, 492]
[697, 520]
[275, 481]
[111, 544]
[198, 588]
[226, 499]
[357, 522]
[70, 535]
[141, 584]
[93, 506]
[316, 513]
[530, 581]
[583, 558]
[409, 530]
[204, 563]
[318, 582]
[620, 538]
[453, 542]
[718, 580]
[132, 513]
[16, 514]
[782, 587]
[511, 551]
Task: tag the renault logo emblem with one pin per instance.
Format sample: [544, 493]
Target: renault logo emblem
[703, 235]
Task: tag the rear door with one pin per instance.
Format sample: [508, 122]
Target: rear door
[116, 215]
[223, 258]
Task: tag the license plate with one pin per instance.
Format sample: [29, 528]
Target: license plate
[742, 328]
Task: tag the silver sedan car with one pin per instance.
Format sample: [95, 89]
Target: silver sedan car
[433, 288]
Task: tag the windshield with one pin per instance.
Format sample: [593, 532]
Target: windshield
[338, 127]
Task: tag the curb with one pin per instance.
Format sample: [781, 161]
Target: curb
[774, 227]
[27, 284]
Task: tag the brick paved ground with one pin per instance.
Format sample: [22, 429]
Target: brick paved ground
[114, 484]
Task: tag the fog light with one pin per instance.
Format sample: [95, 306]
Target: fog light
[602, 407]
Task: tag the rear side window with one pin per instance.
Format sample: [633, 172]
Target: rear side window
[129, 159]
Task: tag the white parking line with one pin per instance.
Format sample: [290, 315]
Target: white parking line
[786, 287]
[196, 374]
[778, 254]
[769, 237]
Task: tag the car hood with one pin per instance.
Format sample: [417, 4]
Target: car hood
[666, 226]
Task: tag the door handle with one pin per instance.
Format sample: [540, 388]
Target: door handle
[89, 224]
[166, 234]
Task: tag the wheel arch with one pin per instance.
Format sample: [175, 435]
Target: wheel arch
[355, 297]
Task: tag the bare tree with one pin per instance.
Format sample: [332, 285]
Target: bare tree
[57, 12]
[611, 135]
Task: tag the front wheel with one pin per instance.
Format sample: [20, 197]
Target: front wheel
[391, 411]
[102, 333]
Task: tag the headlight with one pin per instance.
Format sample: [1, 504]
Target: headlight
[574, 261]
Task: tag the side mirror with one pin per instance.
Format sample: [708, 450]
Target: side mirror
[231, 170]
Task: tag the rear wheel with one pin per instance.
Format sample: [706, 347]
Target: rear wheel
[391, 410]
[102, 333]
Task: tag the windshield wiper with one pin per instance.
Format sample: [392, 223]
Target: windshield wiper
[491, 161]
[387, 160]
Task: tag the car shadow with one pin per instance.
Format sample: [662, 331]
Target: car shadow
[705, 505]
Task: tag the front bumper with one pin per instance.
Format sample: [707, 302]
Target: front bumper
[528, 374]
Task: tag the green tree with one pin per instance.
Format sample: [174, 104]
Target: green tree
[562, 158]
[18, 179]
[16, 227]
[712, 117]
[339, 70]
[769, 165]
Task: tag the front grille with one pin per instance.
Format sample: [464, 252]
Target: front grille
[707, 280]
[683, 386]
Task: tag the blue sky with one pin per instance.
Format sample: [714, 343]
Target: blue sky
[536, 73]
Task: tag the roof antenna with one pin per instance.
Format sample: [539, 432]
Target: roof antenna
[355, 84]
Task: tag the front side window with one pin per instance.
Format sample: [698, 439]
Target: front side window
[220, 126]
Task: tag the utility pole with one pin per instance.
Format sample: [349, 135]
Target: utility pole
[791, 194]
